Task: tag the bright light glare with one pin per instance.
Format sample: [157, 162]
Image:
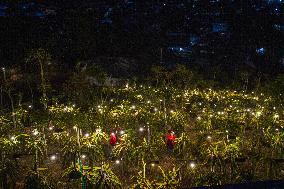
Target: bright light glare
[35, 132]
[53, 157]
[192, 164]
[98, 130]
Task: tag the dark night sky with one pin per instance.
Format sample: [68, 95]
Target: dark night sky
[78, 32]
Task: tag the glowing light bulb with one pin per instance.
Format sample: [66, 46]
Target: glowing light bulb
[192, 165]
[87, 134]
[152, 164]
[141, 129]
[83, 156]
[35, 132]
[98, 130]
[53, 157]
[122, 132]
[13, 138]
[117, 161]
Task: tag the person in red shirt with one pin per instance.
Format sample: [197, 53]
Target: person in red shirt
[113, 139]
[171, 140]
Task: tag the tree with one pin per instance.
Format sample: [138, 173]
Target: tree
[41, 57]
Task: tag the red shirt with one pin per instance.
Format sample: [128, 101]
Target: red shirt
[112, 140]
[171, 138]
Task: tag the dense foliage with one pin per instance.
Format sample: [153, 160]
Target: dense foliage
[56, 128]
[223, 136]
